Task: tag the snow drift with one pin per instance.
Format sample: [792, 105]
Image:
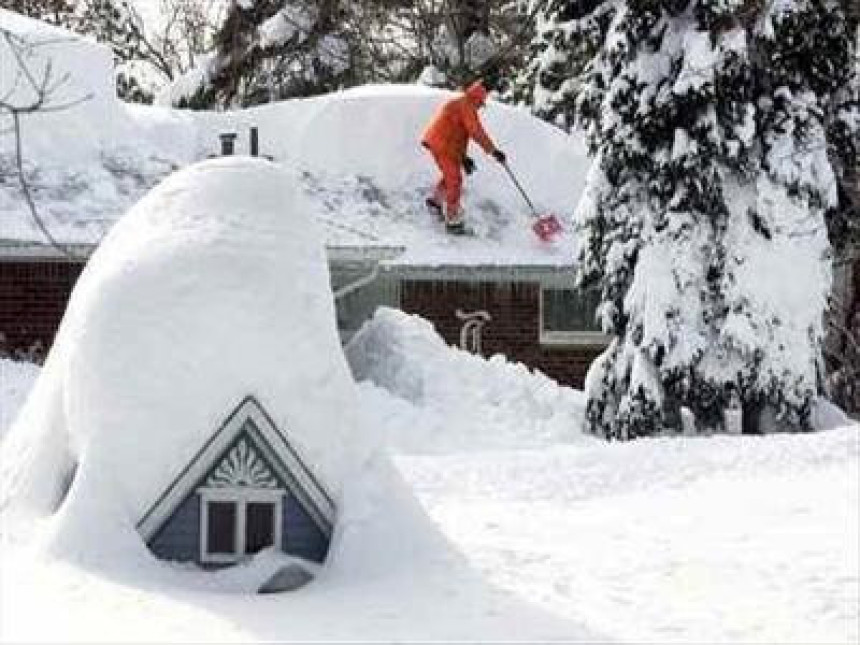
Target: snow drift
[423, 385]
[214, 287]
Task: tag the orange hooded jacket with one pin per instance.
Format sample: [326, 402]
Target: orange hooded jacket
[455, 123]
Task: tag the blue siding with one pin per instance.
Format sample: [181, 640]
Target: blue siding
[179, 538]
[301, 536]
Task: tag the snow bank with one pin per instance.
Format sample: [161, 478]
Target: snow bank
[190, 304]
[430, 397]
[214, 287]
[661, 531]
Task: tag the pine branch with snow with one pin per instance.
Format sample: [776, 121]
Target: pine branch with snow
[703, 222]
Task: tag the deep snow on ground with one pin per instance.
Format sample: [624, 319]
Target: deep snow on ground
[696, 539]
[198, 266]
[537, 532]
[223, 264]
[677, 540]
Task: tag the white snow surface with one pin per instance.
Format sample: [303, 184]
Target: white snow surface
[705, 539]
[421, 383]
[16, 378]
[223, 264]
[358, 151]
[80, 75]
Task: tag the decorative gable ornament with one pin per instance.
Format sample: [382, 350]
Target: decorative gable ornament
[245, 490]
[242, 467]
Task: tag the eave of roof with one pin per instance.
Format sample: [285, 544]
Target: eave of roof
[386, 256]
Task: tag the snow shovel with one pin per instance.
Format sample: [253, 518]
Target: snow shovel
[546, 225]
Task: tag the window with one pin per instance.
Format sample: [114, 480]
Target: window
[221, 531]
[235, 522]
[259, 526]
[567, 317]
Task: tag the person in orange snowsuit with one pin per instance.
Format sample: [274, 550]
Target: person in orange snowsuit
[447, 138]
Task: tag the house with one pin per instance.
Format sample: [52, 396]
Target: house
[513, 297]
[498, 292]
[528, 312]
[245, 490]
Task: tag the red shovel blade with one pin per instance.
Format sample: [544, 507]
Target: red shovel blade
[547, 227]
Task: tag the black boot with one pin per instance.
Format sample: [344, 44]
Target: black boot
[456, 228]
[434, 207]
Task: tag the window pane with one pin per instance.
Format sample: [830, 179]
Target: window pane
[259, 526]
[221, 531]
[568, 310]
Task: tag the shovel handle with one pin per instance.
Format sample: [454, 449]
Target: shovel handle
[520, 188]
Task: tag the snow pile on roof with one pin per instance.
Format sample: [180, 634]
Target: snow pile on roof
[213, 288]
[358, 151]
[424, 385]
[85, 156]
[81, 110]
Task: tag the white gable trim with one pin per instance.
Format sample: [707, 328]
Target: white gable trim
[296, 474]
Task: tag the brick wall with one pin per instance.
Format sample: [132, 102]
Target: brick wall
[33, 298]
[34, 294]
[514, 328]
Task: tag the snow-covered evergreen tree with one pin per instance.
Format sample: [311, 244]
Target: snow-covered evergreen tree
[273, 49]
[568, 35]
[117, 24]
[703, 222]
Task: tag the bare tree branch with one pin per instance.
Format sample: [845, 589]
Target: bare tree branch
[44, 88]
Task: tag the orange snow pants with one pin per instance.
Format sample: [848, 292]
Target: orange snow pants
[450, 185]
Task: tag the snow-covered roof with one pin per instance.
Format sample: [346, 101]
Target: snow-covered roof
[358, 154]
[222, 265]
[83, 115]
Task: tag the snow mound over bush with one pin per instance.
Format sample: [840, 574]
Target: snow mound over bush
[213, 288]
[436, 398]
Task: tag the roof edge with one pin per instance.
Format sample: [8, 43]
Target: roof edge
[178, 490]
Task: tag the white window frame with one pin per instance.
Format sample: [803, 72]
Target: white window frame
[555, 338]
[241, 497]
